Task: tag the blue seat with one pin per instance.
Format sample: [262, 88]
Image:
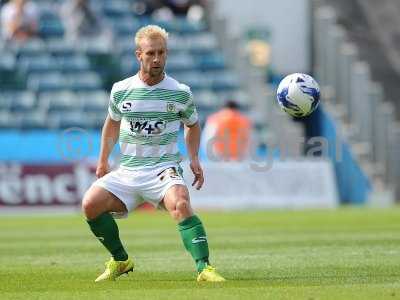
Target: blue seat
[94, 46]
[52, 81]
[43, 63]
[60, 47]
[7, 61]
[182, 62]
[124, 27]
[7, 120]
[203, 44]
[183, 26]
[194, 80]
[93, 101]
[214, 61]
[129, 65]
[87, 81]
[206, 98]
[17, 101]
[177, 43]
[58, 101]
[116, 9]
[95, 119]
[73, 63]
[50, 24]
[31, 120]
[31, 48]
[225, 82]
[69, 119]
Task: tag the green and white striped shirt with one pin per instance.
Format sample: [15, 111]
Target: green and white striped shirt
[150, 120]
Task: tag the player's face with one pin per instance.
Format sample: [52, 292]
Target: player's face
[152, 56]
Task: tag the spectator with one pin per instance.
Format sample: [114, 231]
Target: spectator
[227, 133]
[19, 20]
[80, 20]
[145, 7]
[191, 9]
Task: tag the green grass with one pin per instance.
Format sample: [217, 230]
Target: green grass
[345, 254]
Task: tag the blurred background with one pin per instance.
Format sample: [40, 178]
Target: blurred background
[59, 59]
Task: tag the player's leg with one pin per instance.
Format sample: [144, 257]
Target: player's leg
[97, 205]
[176, 201]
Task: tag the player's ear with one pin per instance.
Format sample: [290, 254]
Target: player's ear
[138, 53]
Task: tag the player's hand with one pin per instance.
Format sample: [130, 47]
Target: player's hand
[102, 169]
[198, 174]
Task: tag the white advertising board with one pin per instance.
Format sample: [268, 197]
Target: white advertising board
[287, 184]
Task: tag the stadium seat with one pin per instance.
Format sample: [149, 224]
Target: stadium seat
[129, 65]
[68, 119]
[31, 48]
[95, 120]
[23, 101]
[183, 26]
[17, 101]
[65, 76]
[94, 46]
[124, 27]
[194, 80]
[8, 120]
[43, 63]
[87, 81]
[177, 43]
[93, 101]
[50, 25]
[203, 43]
[7, 61]
[116, 9]
[35, 119]
[58, 101]
[7, 70]
[125, 47]
[225, 82]
[214, 61]
[53, 81]
[73, 63]
[182, 62]
[206, 98]
[60, 47]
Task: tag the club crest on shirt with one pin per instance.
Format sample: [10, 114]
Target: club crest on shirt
[171, 107]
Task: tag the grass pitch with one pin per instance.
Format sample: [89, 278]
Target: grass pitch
[345, 254]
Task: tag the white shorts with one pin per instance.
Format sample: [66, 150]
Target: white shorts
[147, 185]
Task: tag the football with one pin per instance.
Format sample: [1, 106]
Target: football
[298, 94]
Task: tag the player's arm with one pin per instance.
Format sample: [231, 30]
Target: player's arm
[109, 136]
[192, 140]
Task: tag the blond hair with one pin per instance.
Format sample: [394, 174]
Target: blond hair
[151, 32]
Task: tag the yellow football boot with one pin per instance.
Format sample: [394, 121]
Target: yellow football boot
[115, 269]
[210, 274]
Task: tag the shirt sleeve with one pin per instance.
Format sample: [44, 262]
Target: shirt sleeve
[189, 114]
[113, 109]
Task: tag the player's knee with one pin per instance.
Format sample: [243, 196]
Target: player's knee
[183, 208]
[182, 205]
[88, 207]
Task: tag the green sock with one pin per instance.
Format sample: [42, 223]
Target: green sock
[106, 230]
[195, 240]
